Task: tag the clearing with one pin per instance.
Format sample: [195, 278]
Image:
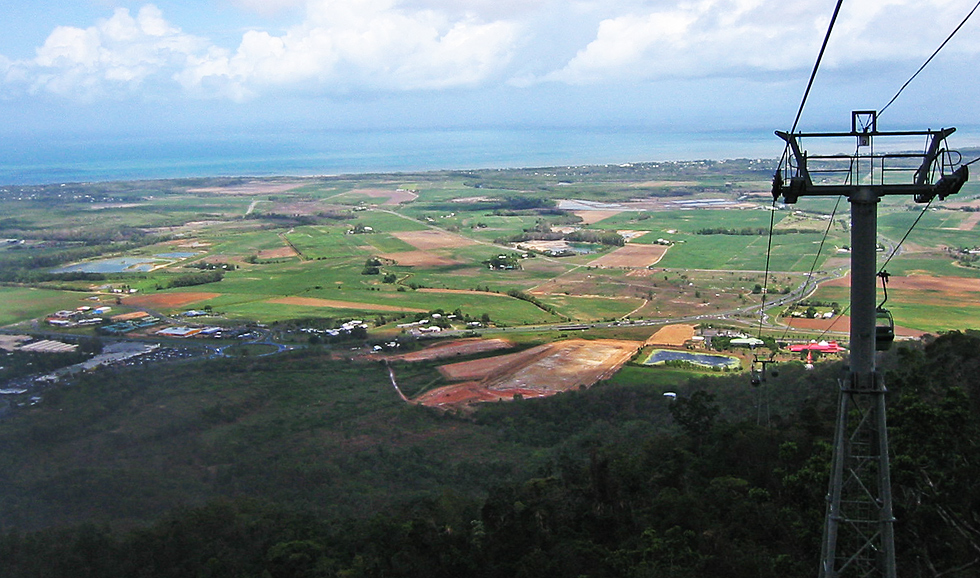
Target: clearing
[454, 348]
[673, 335]
[537, 372]
[432, 239]
[334, 304]
[634, 256]
[168, 300]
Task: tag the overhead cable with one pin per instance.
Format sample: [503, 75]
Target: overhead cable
[928, 60]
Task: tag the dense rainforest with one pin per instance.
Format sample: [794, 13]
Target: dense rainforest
[726, 480]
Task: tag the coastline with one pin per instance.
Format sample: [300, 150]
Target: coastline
[67, 159]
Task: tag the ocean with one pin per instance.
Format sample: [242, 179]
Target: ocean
[100, 158]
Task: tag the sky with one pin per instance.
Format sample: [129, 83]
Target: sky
[173, 66]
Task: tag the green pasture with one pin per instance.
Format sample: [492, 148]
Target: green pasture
[383, 243]
[265, 312]
[933, 318]
[293, 278]
[245, 243]
[22, 303]
[384, 221]
[329, 243]
[791, 252]
[689, 221]
[591, 308]
[935, 228]
[665, 378]
[496, 227]
[636, 220]
[939, 265]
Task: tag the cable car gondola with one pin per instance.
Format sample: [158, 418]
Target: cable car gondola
[884, 322]
[884, 329]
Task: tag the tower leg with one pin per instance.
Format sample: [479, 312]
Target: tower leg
[858, 535]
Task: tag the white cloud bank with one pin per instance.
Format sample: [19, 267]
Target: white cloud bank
[346, 46]
[362, 44]
[116, 55]
[745, 38]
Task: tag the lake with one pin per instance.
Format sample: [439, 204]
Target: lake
[661, 356]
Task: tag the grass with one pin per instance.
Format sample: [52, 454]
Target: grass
[20, 303]
[592, 308]
[715, 271]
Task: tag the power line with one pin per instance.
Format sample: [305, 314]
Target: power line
[928, 60]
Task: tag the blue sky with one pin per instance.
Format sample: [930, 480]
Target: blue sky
[134, 68]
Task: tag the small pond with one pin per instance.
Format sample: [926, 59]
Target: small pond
[123, 264]
[662, 356]
[115, 265]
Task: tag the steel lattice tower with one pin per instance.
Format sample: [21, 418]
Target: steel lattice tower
[858, 538]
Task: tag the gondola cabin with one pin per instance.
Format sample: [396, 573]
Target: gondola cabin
[884, 329]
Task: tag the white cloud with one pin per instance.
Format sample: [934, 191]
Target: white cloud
[268, 7]
[748, 37]
[343, 46]
[363, 44]
[117, 54]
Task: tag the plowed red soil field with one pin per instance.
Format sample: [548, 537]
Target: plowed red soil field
[537, 372]
[167, 300]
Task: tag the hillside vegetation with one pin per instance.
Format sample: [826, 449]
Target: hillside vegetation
[295, 466]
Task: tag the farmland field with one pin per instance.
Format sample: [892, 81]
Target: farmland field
[697, 243]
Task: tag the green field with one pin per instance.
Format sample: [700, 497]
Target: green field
[715, 260]
[20, 303]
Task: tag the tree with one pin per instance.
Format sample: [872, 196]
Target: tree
[696, 415]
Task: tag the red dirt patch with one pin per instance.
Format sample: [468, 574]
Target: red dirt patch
[969, 223]
[540, 371]
[922, 283]
[167, 300]
[315, 302]
[590, 217]
[433, 239]
[636, 256]
[454, 348]
[672, 335]
[280, 253]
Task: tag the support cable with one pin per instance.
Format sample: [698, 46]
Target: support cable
[765, 280]
[813, 75]
[816, 258]
[816, 65]
[907, 233]
[883, 265]
[785, 156]
[928, 60]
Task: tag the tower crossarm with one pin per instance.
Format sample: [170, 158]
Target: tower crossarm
[884, 173]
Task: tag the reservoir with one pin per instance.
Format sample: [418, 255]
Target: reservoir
[123, 264]
[662, 356]
[115, 265]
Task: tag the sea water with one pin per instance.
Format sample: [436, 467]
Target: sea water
[96, 158]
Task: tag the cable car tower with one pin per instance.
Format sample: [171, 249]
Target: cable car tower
[858, 537]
